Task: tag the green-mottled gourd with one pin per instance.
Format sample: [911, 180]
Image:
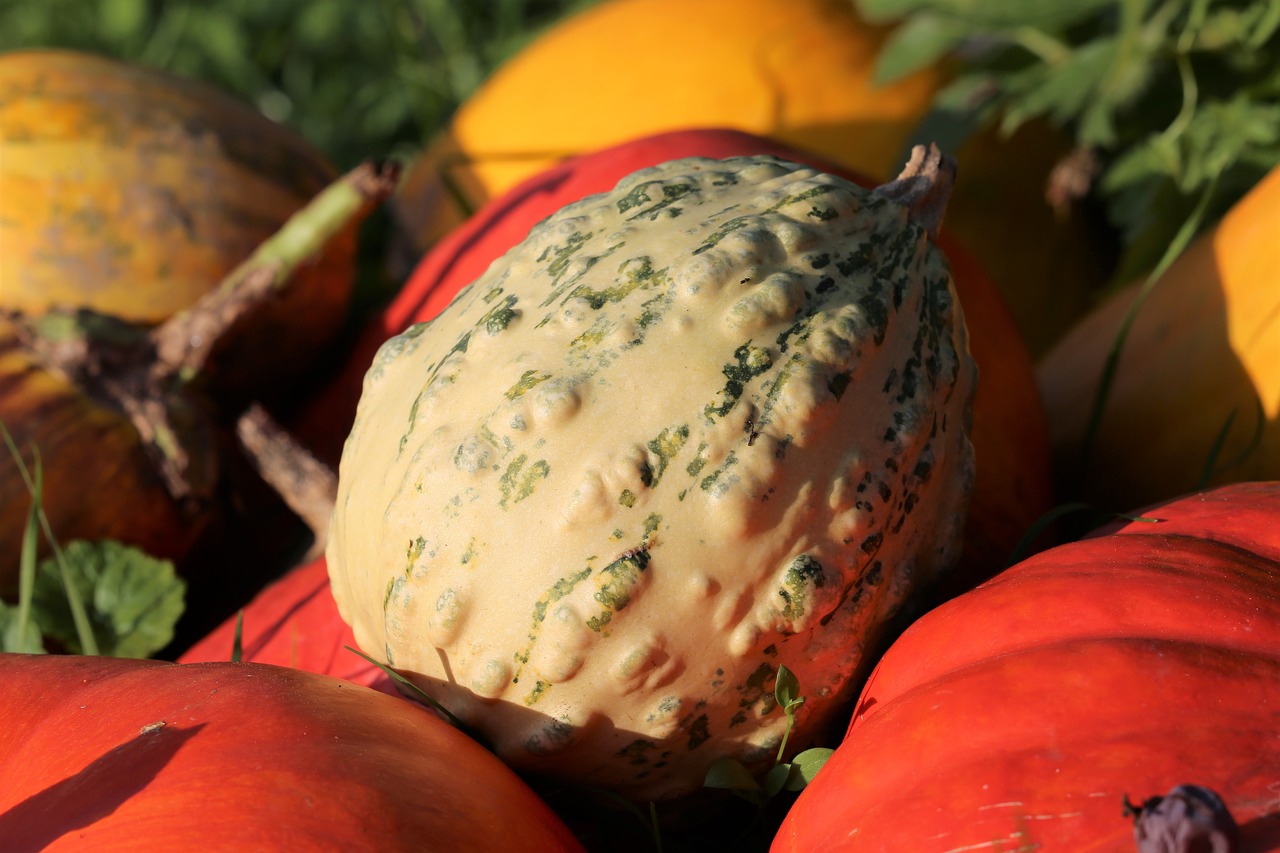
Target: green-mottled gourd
[710, 422]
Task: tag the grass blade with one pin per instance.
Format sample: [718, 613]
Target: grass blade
[417, 691]
[27, 565]
[1211, 467]
[84, 631]
[237, 643]
[1112, 363]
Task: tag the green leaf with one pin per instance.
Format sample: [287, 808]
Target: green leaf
[121, 19]
[730, 774]
[786, 688]
[776, 779]
[806, 765]
[13, 638]
[134, 599]
[1064, 90]
[916, 44]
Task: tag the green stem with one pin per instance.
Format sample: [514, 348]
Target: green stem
[27, 566]
[184, 342]
[84, 630]
[1048, 49]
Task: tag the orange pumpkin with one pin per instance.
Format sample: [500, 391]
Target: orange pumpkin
[1020, 715]
[120, 755]
[800, 72]
[87, 451]
[1203, 351]
[132, 192]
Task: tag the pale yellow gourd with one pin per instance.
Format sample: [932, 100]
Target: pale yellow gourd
[705, 424]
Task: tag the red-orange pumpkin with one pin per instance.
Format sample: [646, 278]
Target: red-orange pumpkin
[1018, 716]
[1009, 433]
[292, 622]
[113, 755]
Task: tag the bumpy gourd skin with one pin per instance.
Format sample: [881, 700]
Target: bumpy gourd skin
[705, 424]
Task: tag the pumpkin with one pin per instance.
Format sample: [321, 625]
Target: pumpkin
[1012, 487]
[1200, 369]
[709, 422]
[292, 622]
[117, 408]
[87, 450]
[109, 754]
[1021, 714]
[801, 72]
[132, 192]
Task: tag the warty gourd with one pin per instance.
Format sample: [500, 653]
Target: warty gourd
[705, 424]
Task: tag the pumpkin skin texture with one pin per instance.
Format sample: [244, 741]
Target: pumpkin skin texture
[132, 192]
[711, 421]
[250, 757]
[1205, 345]
[1012, 487]
[800, 72]
[1143, 657]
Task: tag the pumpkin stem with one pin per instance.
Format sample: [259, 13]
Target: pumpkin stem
[924, 187]
[151, 376]
[184, 342]
[1189, 818]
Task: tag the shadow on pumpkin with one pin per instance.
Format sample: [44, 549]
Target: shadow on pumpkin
[1194, 398]
[1262, 832]
[94, 792]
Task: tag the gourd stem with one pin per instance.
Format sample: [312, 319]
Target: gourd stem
[924, 187]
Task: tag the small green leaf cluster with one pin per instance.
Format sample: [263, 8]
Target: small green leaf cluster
[93, 598]
[729, 773]
[1166, 101]
[132, 601]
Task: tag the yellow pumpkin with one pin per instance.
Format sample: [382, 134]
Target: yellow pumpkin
[133, 192]
[798, 71]
[1204, 349]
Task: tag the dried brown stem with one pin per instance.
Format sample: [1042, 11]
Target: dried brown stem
[924, 187]
[307, 485]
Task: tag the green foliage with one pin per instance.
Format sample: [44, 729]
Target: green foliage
[730, 774]
[358, 80]
[1175, 100]
[134, 600]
